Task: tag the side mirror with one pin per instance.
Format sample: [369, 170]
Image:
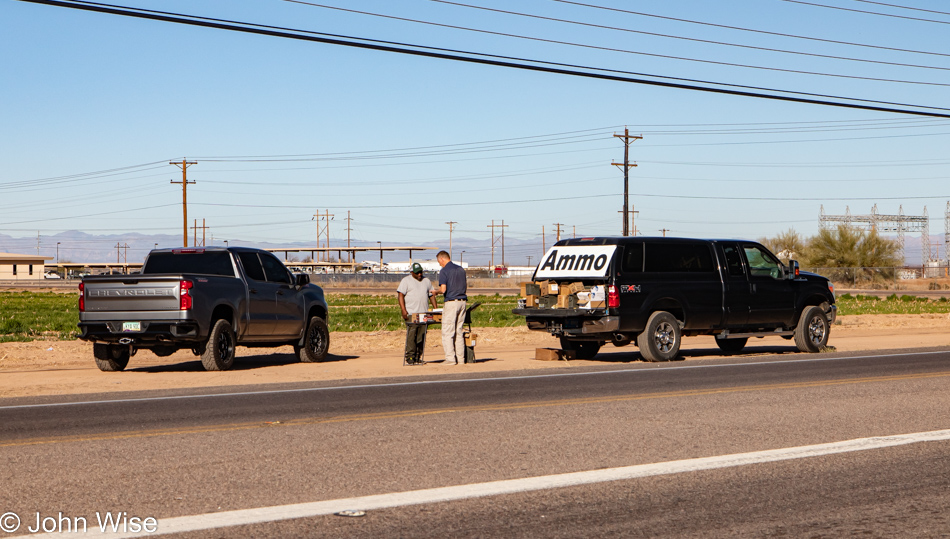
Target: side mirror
[303, 279]
[793, 270]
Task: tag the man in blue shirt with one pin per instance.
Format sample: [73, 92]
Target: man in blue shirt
[452, 284]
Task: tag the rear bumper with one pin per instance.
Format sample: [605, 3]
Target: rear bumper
[570, 322]
[153, 333]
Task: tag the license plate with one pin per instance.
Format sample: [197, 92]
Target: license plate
[131, 326]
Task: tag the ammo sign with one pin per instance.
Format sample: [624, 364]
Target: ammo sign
[581, 261]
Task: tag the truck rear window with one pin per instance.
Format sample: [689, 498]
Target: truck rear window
[206, 263]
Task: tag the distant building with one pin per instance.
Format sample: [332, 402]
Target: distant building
[17, 267]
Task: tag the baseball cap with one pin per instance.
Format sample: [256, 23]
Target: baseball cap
[417, 268]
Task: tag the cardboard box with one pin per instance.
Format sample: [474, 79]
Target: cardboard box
[548, 288]
[471, 339]
[531, 302]
[530, 289]
[565, 301]
[553, 354]
[583, 297]
[597, 305]
[572, 288]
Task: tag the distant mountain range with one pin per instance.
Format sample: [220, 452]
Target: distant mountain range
[76, 246]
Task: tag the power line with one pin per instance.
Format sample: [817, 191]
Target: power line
[614, 49]
[486, 59]
[752, 30]
[685, 38]
[905, 7]
[866, 12]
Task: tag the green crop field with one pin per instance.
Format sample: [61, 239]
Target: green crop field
[27, 316]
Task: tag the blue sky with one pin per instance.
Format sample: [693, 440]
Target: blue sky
[283, 129]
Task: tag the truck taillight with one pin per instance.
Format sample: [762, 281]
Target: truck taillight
[613, 296]
[185, 296]
[82, 297]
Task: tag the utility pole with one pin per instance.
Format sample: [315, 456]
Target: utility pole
[326, 217]
[451, 228]
[558, 225]
[118, 248]
[184, 195]
[664, 231]
[37, 242]
[529, 259]
[203, 229]
[493, 226]
[575, 230]
[633, 223]
[627, 137]
[349, 254]
[543, 245]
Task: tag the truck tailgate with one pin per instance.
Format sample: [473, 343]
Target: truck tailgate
[132, 293]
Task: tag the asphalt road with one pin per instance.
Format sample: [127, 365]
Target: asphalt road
[178, 454]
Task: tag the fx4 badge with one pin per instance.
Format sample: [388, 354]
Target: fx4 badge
[630, 288]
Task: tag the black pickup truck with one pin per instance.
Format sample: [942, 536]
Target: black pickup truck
[208, 300]
[590, 291]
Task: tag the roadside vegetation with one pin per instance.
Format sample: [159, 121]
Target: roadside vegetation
[28, 316]
[844, 254]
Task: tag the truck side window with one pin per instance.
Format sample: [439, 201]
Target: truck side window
[733, 260]
[252, 266]
[274, 269]
[761, 263]
[632, 258]
[678, 257]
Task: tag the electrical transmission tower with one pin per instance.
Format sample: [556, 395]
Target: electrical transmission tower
[900, 223]
[493, 226]
[321, 229]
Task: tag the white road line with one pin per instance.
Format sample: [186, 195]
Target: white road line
[644, 369]
[494, 488]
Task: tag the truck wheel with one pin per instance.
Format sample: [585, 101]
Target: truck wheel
[811, 334]
[582, 349]
[218, 354]
[316, 342]
[110, 357]
[660, 341]
[732, 346]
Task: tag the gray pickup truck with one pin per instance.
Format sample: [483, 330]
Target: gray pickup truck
[208, 300]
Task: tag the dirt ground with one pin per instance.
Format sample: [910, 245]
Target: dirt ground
[67, 367]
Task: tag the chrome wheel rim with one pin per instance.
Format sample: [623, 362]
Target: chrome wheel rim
[816, 330]
[664, 337]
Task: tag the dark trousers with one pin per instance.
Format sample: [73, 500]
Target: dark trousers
[415, 341]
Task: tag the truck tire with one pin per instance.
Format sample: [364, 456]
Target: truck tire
[218, 353]
[316, 342]
[111, 357]
[660, 340]
[732, 346]
[811, 334]
[581, 349]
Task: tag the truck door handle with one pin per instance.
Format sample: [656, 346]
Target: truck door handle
[253, 291]
[280, 292]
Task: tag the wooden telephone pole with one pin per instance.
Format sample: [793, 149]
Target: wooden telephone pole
[451, 228]
[184, 195]
[627, 138]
